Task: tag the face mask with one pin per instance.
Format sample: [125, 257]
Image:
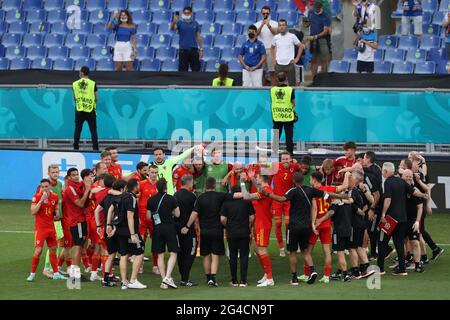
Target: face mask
[123, 20]
[366, 30]
[186, 17]
[251, 35]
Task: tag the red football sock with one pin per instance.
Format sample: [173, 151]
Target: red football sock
[34, 263]
[68, 262]
[53, 261]
[61, 260]
[267, 265]
[155, 259]
[85, 259]
[327, 270]
[95, 259]
[305, 270]
[261, 261]
[278, 232]
[90, 251]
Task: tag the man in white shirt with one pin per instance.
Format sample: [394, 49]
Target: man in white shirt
[267, 29]
[366, 43]
[283, 51]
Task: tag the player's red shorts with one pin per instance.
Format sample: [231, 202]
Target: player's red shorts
[280, 208]
[144, 226]
[66, 241]
[93, 235]
[45, 235]
[324, 235]
[262, 236]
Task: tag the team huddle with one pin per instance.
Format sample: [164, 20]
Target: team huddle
[349, 203]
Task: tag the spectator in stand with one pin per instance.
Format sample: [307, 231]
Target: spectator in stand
[252, 57]
[412, 12]
[364, 11]
[267, 29]
[125, 49]
[446, 25]
[222, 80]
[190, 41]
[366, 43]
[320, 38]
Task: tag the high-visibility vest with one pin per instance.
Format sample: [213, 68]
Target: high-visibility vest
[282, 108]
[217, 82]
[84, 90]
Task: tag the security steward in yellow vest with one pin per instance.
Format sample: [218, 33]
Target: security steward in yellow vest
[283, 111]
[86, 97]
[219, 82]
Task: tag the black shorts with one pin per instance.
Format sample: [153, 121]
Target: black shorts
[126, 247]
[79, 233]
[211, 242]
[357, 238]
[297, 238]
[165, 236]
[340, 243]
[412, 235]
[365, 66]
[188, 243]
[112, 244]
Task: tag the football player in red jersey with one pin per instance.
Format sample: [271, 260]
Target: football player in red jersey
[141, 172]
[115, 169]
[44, 206]
[262, 167]
[185, 168]
[345, 161]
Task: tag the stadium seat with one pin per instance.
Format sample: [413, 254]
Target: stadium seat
[404, 67]
[244, 5]
[18, 27]
[156, 5]
[353, 67]
[14, 16]
[53, 5]
[40, 27]
[11, 4]
[90, 63]
[72, 15]
[223, 5]
[163, 16]
[445, 5]
[270, 3]
[145, 52]
[63, 64]
[36, 16]
[75, 40]
[224, 41]
[425, 67]
[164, 28]
[382, 67]
[150, 65]
[436, 55]
[336, 7]
[205, 16]
[178, 5]
[408, 42]
[100, 28]
[3, 27]
[160, 41]
[418, 55]
[438, 17]
[60, 28]
[55, 53]
[95, 40]
[234, 65]
[169, 65]
[246, 17]
[431, 29]
[290, 16]
[43, 63]
[430, 5]
[101, 53]
[207, 40]
[57, 16]
[141, 17]
[225, 17]
[11, 39]
[166, 53]
[229, 53]
[2, 50]
[211, 28]
[80, 3]
[85, 28]
[379, 55]
[2, 15]
[202, 5]
[339, 66]
[136, 5]
[387, 42]
[213, 65]
[393, 54]
[4, 63]
[211, 53]
[429, 42]
[80, 52]
[350, 54]
[142, 40]
[286, 5]
[147, 28]
[118, 5]
[176, 41]
[19, 64]
[15, 52]
[106, 64]
[101, 16]
[32, 40]
[240, 40]
[427, 17]
[36, 53]
[96, 5]
[232, 29]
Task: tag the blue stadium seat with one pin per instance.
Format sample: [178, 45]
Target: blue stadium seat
[101, 53]
[207, 41]
[90, 63]
[156, 5]
[11, 39]
[57, 16]
[350, 54]
[150, 65]
[3, 27]
[2, 15]
[14, 15]
[427, 17]
[223, 5]
[15, 52]
[270, 3]
[96, 5]
[240, 40]
[164, 28]
[85, 28]
[404, 67]
[429, 42]
[106, 64]
[244, 5]
[55, 53]
[2, 50]
[18, 27]
[4, 63]
[142, 16]
[63, 64]
[147, 28]
[382, 67]
[425, 67]
[417, 55]
[100, 16]
[136, 5]
[204, 16]
[213, 65]
[71, 14]
[339, 66]
[232, 29]
[178, 5]
[290, 16]
[379, 55]
[234, 65]
[225, 17]
[336, 7]
[211, 53]
[19, 64]
[408, 42]
[445, 5]
[100, 28]
[169, 65]
[53, 4]
[95, 40]
[224, 41]
[81, 52]
[166, 53]
[117, 5]
[246, 17]
[32, 40]
[160, 41]
[75, 40]
[32, 4]
[202, 5]
[11, 4]
[163, 16]
[145, 52]
[176, 41]
[353, 67]
[142, 40]
[40, 27]
[286, 5]
[36, 16]
[43, 63]
[79, 3]
[430, 5]
[394, 54]
[211, 28]
[436, 55]
[229, 54]
[431, 29]
[60, 28]
[438, 17]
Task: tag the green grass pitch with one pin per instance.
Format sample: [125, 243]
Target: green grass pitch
[16, 248]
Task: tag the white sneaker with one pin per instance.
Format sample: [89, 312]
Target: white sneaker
[264, 278]
[267, 283]
[169, 282]
[48, 273]
[146, 259]
[282, 252]
[164, 286]
[95, 277]
[87, 270]
[346, 252]
[31, 277]
[124, 286]
[156, 271]
[136, 285]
